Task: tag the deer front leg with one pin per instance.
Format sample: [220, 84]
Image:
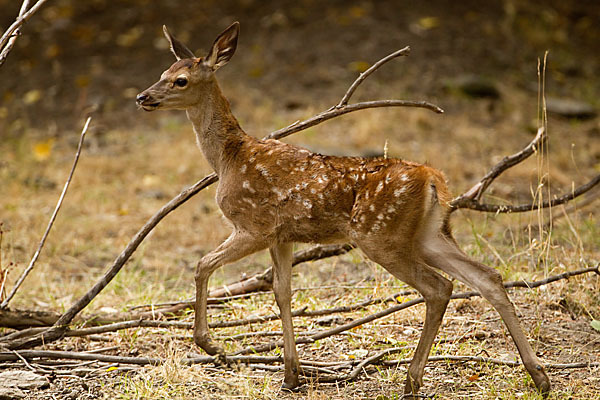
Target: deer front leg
[282, 287]
[238, 245]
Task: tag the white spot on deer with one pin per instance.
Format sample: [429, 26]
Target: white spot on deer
[307, 203]
[313, 190]
[243, 169]
[297, 187]
[304, 185]
[247, 200]
[404, 178]
[391, 209]
[280, 194]
[320, 196]
[251, 159]
[388, 178]
[379, 187]
[320, 180]
[270, 152]
[302, 168]
[372, 207]
[398, 192]
[376, 227]
[367, 195]
[246, 185]
[380, 217]
[263, 170]
[362, 218]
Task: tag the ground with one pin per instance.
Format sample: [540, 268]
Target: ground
[294, 60]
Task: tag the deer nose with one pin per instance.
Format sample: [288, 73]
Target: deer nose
[140, 98]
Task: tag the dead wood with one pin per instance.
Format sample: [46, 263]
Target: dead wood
[303, 312]
[9, 37]
[29, 356]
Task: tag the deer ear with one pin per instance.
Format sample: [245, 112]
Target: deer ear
[223, 48]
[177, 48]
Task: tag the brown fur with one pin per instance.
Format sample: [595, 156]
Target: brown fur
[275, 194]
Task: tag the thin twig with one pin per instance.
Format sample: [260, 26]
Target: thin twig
[52, 219]
[402, 52]
[8, 38]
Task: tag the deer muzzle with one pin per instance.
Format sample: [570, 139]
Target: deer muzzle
[147, 102]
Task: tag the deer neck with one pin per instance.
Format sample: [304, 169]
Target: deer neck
[217, 130]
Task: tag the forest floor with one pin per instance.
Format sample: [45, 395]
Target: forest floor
[134, 162]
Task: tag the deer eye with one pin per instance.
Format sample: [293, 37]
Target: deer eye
[181, 82]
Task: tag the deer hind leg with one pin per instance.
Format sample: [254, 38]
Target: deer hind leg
[282, 287]
[434, 288]
[237, 246]
[443, 253]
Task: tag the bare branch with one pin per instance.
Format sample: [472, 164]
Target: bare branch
[24, 355]
[471, 198]
[336, 112]
[474, 194]
[498, 208]
[9, 37]
[402, 52]
[52, 219]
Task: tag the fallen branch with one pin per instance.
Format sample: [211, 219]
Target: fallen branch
[383, 313]
[29, 355]
[497, 208]
[256, 283]
[471, 198]
[473, 195]
[297, 313]
[52, 219]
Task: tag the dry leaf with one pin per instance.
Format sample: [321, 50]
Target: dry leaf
[43, 149]
[473, 377]
[32, 96]
[427, 23]
[358, 66]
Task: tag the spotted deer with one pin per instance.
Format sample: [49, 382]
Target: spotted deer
[274, 194]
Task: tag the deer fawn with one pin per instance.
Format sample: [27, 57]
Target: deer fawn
[275, 194]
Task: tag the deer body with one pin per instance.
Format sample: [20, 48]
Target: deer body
[275, 194]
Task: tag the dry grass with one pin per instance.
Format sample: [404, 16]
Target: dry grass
[123, 177]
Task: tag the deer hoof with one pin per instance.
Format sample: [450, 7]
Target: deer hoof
[293, 386]
[543, 384]
[411, 388]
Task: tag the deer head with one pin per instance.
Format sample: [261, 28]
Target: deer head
[190, 80]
